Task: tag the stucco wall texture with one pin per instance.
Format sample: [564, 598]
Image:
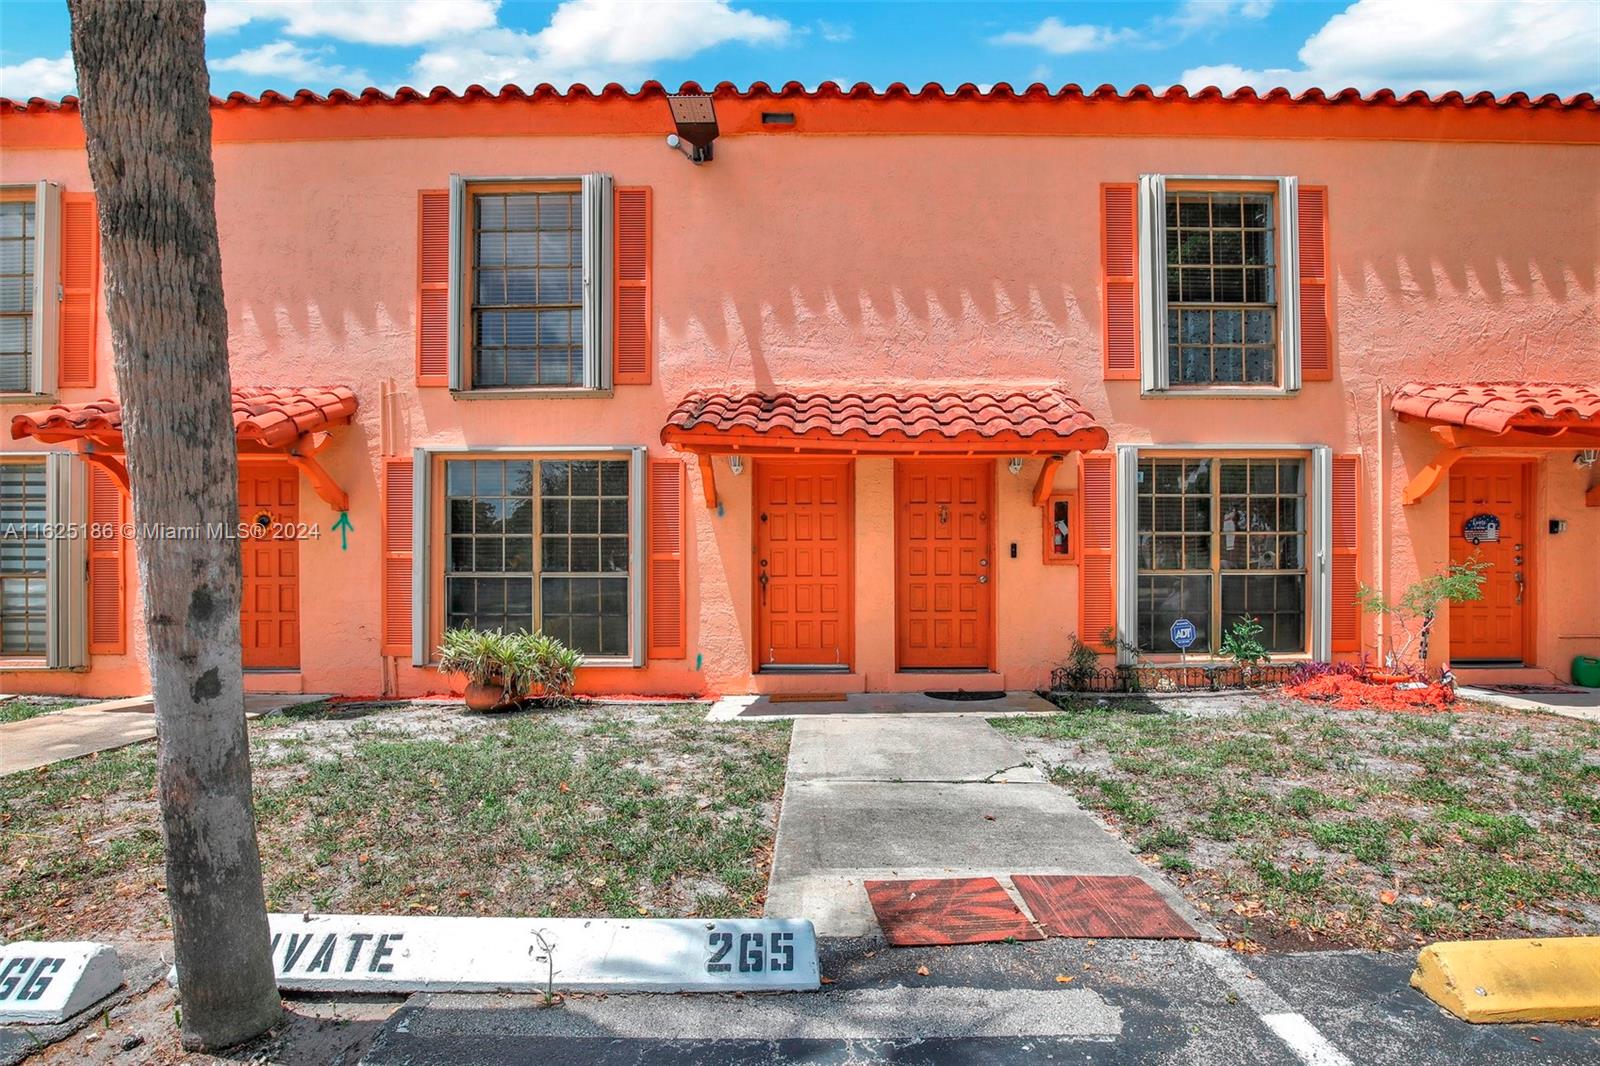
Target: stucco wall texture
[820, 262]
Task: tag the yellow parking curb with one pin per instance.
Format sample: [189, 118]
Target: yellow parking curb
[1554, 979]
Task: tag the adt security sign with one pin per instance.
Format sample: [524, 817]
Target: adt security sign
[1183, 634]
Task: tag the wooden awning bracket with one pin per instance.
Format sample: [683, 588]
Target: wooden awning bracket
[1047, 479]
[111, 465]
[321, 481]
[1458, 442]
[708, 479]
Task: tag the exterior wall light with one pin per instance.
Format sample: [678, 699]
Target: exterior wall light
[1015, 466]
[736, 464]
[696, 122]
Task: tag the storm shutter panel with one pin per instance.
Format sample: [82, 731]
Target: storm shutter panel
[398, 507]
[1316, 343]
[433, 288]
[632, 348]
[107, 583]
[667, 606]
[1097, 598]
[1346, 515]
[80, 288]
[1119, 263]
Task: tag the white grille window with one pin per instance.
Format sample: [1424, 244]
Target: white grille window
[24, 559]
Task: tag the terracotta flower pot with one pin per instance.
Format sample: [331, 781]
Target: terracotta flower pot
[490, 696]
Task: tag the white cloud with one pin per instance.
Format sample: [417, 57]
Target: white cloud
[1437, 45]
[1193, 16]
[390, 22]
[593, 42]
[835, 32]
[1057, 38]
[38, 77]
[287, 62]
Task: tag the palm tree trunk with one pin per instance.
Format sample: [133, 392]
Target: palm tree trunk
[145, 101]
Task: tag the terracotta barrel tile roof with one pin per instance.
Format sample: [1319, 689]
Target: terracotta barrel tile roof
[272, 418]
[828, 90]
[1042, 416]
[1493, 406]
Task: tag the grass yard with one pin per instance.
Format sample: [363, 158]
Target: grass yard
[18, 708]
[422, 808]
[1295, 826]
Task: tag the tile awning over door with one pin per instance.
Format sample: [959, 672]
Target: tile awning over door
[291, 422]
[1037, 422]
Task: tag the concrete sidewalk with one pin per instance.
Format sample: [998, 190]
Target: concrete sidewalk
[67, 734]
[915, 796]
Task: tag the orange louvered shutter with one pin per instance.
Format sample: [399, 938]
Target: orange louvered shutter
[1316, 334]
[668, 605]
[1346, 552]
[631, 351]
[433, 287]
[80, 290]
[107, 584]
[398, 479]
[1097, 595]
[1119, 265]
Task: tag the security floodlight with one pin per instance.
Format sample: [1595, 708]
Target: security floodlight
[696, 122]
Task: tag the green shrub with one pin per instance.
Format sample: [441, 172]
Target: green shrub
[523, 664]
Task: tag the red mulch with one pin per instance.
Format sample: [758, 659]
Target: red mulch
[1351, 693]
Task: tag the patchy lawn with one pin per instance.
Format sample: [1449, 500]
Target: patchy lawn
[18, 708]
[421, 808]
[1293, 826]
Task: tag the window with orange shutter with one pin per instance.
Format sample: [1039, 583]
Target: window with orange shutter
[30, 249]
[1233, 294]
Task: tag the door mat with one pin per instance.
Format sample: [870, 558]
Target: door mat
[1100, 907]
[951, 910]
[964, 696]
[806, 697]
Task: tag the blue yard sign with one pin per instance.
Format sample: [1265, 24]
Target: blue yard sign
[1183, 634]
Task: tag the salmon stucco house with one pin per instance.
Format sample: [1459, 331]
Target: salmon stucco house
[872, 387]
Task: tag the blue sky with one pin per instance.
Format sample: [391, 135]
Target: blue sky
[1502, 45]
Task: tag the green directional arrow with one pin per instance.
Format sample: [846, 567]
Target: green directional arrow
[344, 527]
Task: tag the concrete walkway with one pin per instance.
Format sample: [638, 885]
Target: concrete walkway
[924, 796]
[1580, 703]
[67, 734]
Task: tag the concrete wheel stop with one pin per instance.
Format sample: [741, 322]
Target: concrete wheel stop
[1552, 979]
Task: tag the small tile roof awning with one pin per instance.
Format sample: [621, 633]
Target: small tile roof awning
[1495, 407]
[1498, 416]
[293, 422]
[270, 418]
[1038, 422]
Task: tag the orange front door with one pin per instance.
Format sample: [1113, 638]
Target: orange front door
[1491, 628]
[269, 600]
[804, 529]
[944, 594]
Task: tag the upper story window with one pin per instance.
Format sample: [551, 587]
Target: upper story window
[17, 218]
[527, 310]
[1221, 312]
[1221, 302]
[533, 312]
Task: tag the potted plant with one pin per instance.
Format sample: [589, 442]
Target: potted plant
[553, 667]
[497, 666]
[1414, 613]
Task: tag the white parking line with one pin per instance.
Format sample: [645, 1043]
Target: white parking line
[1302, 1038]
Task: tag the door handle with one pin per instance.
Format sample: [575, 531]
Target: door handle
[983, 579]
[762, 580]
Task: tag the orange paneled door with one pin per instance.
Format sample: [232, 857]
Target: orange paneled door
[804, 531]
[269, 607]
[1491, 628]
[944, 595]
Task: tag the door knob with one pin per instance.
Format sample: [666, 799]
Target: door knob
[983, 579]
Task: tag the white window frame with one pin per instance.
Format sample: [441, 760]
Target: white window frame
[1319, 572]
[424, 506]
[47, 293]
[1154, 378]
[597, 205]
[66, 564]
